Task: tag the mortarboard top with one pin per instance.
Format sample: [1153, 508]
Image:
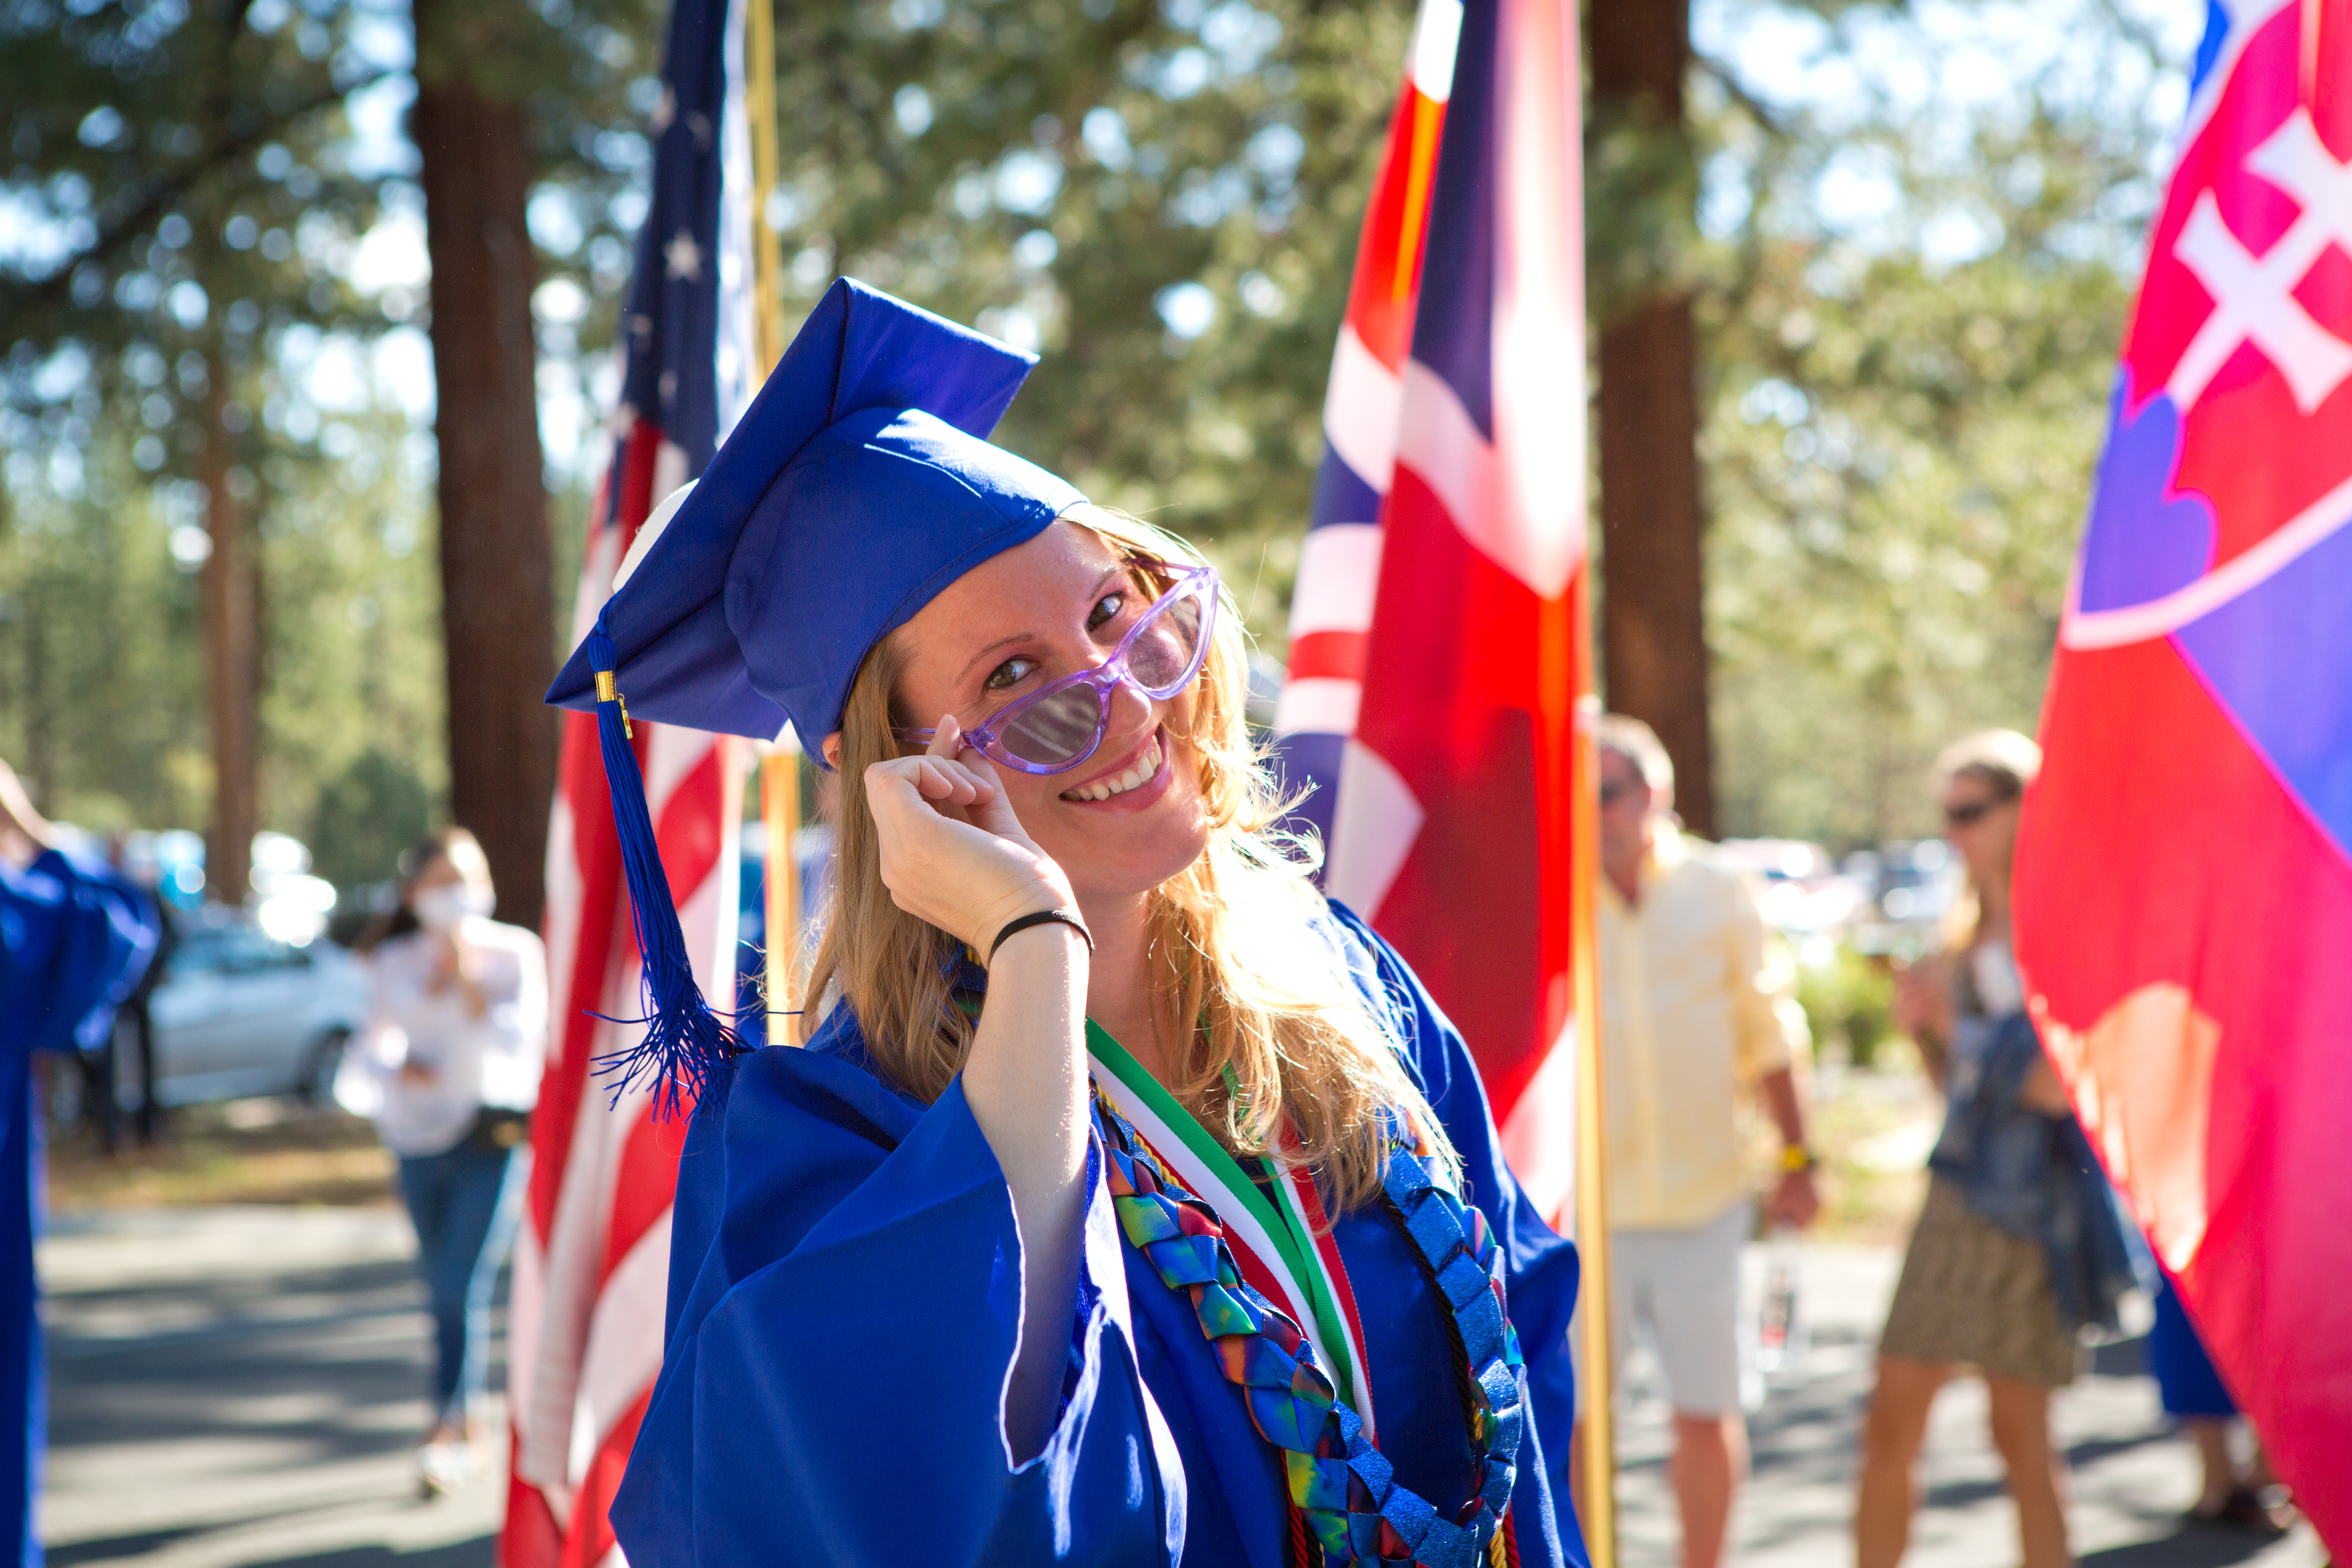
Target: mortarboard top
[858, 484]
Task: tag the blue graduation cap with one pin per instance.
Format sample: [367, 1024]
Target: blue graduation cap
[858, 486]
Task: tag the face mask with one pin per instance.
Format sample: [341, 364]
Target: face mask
[444, 908]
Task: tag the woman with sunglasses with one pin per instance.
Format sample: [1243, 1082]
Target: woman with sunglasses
[2018, 1248]
[1126, 1202]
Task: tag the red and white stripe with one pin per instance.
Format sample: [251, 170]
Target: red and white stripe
[593, 1252]
[1338, 568]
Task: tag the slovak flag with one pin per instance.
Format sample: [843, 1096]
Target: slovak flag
[1435, 631]
[2184, 882]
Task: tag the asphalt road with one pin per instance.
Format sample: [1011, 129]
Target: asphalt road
[242, 1387]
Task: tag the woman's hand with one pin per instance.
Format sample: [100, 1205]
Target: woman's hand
[2042, 1091]
[1923, 1000]
[458, 962]
[953, 852]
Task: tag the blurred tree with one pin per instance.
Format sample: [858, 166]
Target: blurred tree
[99, 571]
[193, 202]
[472, 130]
[368, 815]
[1907, 234]
[501, 93]
[174, 161]
[1921, 238]
[1161, 196]
[1652, 612]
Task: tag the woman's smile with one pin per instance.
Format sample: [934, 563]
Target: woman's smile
[1131, 783]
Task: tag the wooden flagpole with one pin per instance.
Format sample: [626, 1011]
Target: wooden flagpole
[779, 762]
[1597, 1419]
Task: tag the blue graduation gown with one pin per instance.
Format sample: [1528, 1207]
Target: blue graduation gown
[844, 1301]
[74, 939]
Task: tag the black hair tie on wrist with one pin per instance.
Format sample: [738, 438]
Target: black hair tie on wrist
[1043, 917]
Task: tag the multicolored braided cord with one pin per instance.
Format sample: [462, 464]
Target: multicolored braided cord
[1339, 1483]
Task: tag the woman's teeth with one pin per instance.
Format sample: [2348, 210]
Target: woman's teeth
[1102, 789]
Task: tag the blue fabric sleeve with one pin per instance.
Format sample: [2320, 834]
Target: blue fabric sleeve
[101, 951]
[74, 939]
[1540, 1265]
[845, 1301]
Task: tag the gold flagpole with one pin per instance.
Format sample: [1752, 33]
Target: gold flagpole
[780, 809]
[1598, 1422]
[767, 249]
[779, 764]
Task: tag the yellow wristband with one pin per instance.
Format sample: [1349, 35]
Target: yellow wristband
[1795, 1157]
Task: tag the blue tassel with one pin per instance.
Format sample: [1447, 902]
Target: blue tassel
[687, 1049]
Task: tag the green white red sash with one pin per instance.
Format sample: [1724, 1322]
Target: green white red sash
[1283, 1243]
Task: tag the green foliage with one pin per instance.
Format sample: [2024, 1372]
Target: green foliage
[351, 622]
[1163, 197]
[187, 184]
[101, 678]
[368, 815]
[1082, 176]
[104, 707]
[177, 165]
[1905, 399]
[1850, 1002]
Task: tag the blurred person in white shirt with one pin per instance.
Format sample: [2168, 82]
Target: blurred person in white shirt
[1697, 1008]
[447, 1068]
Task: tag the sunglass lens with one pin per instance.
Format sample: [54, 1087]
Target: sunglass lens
[1162, 654]
[1056, 731]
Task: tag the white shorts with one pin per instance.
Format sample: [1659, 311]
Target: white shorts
[1681, 1289]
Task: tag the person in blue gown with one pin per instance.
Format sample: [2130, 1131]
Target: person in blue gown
[1127, 1201]
[74, 939]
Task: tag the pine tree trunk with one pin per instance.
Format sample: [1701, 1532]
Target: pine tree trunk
[497, 568]
[232, 654]
[1653, 623]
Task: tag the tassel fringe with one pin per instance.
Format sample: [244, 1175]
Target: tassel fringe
[688, 1049]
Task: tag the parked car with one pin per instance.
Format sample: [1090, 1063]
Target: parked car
[240, 1012]
[1799, 889]
[1912, 883]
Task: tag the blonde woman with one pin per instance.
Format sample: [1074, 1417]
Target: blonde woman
[1128, 1202]
[2018, 1246]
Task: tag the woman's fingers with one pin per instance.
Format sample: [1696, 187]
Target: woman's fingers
[936, 779]
[950, 749]
[994, 812]
[959, 875]
[953, 781]
[947, 739]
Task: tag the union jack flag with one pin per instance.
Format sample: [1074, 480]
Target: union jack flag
[591, 1257]
[1434, 631]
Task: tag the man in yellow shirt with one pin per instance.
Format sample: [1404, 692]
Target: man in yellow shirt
[1695, 1007]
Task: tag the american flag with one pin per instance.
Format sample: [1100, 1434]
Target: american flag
[593, 1254]
[1436, 633]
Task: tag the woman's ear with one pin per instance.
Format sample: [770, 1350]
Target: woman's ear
[832, 748]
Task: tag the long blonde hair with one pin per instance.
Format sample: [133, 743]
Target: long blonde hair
[1283, 1035]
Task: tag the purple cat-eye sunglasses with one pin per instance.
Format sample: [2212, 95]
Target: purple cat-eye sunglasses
[1060, 725]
